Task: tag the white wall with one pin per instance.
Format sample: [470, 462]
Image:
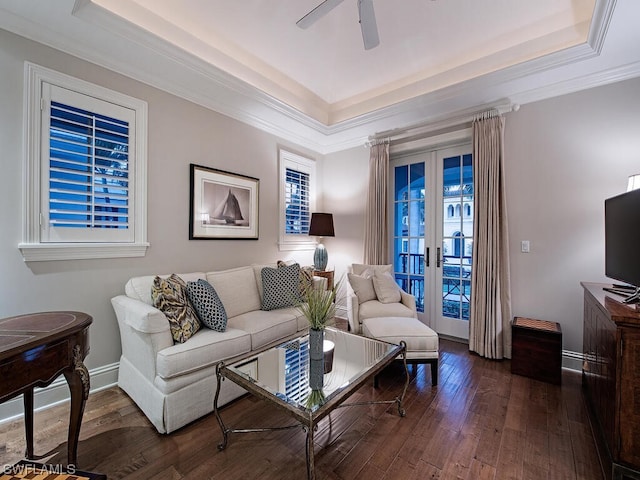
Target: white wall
[180, 133]
[564, 156]
[346, 181]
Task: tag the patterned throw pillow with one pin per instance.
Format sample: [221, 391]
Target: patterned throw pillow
[281, 287]
[170, 297]
[207, 305]
[306, 276]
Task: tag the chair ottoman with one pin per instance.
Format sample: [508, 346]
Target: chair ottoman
[422, 342]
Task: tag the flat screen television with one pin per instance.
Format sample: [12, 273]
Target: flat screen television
[622, 242]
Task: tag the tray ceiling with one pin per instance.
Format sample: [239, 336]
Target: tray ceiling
[318, 86]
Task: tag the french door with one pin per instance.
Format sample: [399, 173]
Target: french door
[433, 234]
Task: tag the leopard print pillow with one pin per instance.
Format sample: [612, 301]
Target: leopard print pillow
[169, 295]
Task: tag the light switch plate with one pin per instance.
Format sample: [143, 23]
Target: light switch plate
[525, 246]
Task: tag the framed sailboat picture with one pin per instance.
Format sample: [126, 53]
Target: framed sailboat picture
[224, 205]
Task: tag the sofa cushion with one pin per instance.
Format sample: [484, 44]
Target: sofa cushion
[207, 305]
[387, 290]
[281, 287]
[237, 289]
[418, 336]
[306, 275]
[204, 349]
[257, 271]
[362, 286]
[139, 288]
[374, 308]
[265, 327]
[170, 297]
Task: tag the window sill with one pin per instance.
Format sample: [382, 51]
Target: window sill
[293, 246]
[39, 252]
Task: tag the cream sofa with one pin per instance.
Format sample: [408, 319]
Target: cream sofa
[174, 384]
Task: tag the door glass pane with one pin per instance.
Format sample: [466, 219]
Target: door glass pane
[401, 258]
[457, 236]
[416, 256]
[417, 181]
[401, 179]
[401, 213]
[409, 223]
[416, 217]
[416, 286]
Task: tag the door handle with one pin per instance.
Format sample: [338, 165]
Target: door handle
[426, 258]
[438, 257]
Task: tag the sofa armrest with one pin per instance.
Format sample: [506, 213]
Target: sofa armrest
[353, 312]
[140, 316]
[409, 301]
[319, 283]
[144, 331]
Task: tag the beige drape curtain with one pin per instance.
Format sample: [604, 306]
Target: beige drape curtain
[376, 242]
[490, 330]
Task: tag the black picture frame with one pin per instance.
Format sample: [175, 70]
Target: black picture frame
[223, 205]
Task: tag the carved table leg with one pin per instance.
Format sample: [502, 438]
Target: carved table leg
[28, 421]
[79, 383]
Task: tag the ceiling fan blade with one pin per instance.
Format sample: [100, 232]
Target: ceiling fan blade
[368, 24]
[317, 13]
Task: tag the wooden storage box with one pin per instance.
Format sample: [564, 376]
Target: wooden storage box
[536, 349]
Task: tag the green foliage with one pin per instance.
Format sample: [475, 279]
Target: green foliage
[316, 398]
[318, 305]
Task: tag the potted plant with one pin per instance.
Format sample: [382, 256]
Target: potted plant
[318, 306]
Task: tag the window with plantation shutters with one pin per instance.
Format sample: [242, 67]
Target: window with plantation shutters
[297, 185]
[88, 162]
[87, 170]
[297, 215]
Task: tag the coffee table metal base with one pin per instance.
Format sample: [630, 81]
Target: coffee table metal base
[310, 425]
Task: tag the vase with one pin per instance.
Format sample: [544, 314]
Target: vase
[316, 359]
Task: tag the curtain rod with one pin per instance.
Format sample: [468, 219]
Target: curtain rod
[377, 141]
[400, 134]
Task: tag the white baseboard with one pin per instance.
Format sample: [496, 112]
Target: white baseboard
[58, 392]
[572, 360]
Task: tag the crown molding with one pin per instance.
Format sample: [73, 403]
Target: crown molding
[130, 51]
[579, 83]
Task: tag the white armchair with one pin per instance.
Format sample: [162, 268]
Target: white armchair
[364, 300]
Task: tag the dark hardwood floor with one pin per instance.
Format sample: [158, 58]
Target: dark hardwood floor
[480, 422]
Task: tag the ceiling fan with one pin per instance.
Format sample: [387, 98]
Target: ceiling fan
[367, 19]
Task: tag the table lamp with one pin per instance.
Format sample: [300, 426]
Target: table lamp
[321, 226]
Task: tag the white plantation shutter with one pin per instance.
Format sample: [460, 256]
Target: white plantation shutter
[297, 201]
[296, 371]
[86, 196]
[297, 216]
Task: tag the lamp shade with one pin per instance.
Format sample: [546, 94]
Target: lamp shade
[321, 225]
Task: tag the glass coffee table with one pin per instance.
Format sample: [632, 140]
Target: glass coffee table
[280, 375]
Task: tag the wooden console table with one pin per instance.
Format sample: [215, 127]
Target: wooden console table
[611, 380]
[37, 348]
